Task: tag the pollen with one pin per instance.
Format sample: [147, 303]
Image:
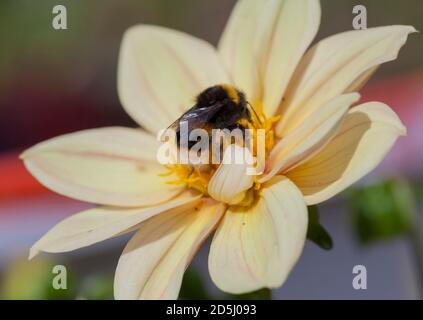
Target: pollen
[196, 178]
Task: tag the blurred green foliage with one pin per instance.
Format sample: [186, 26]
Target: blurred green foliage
[382, 210]
[32, 280]
[96, 287]
[418, 191]
[95, 28]
[29, 41]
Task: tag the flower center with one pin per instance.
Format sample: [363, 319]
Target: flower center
[197, 177]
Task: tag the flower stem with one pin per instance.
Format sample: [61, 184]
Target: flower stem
[263, 294]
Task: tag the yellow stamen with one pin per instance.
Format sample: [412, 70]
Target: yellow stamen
[195, 178]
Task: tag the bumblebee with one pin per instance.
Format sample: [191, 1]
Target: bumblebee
[218, 107]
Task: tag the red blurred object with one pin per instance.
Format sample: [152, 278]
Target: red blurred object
[15, 179]
[403, 94]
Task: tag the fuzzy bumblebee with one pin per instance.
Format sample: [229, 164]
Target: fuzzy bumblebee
[218, 107]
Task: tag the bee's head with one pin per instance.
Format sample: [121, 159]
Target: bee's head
[220, 93]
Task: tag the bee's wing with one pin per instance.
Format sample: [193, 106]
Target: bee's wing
[197, 117]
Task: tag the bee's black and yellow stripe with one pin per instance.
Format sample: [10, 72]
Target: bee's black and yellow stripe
[233, 93]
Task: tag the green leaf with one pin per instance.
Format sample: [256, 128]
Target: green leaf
[192, 286]
[382, 210]
[316, 232]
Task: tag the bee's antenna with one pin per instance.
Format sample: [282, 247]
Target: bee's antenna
[255, 113]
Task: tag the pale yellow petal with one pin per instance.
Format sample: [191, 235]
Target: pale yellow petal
[232, 179]
[109, 166]
[237, 47]
[98, 224]
[296, 25]
[161, 71]
[338, 64]
[367, 135]
[263, 43]
[258, 247]
[310, 137]
[153, 263]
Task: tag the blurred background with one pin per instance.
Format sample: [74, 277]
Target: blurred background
[58, 81]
